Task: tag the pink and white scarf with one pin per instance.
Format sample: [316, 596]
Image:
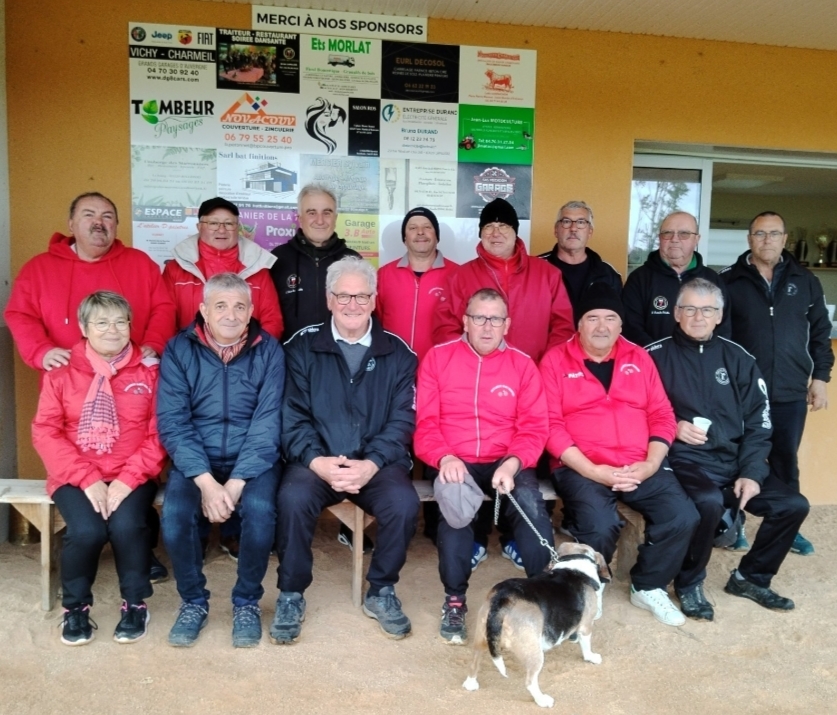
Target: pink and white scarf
[98, 426]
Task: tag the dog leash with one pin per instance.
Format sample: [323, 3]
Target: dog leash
[541, 539]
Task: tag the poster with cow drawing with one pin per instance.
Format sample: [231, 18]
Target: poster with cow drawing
[254, 115]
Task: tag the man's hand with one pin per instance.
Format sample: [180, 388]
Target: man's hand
[690, 434]
[148, 352]
[97, 493]
[234, 488]
[634, 474]
[351, 475]
[117, 491]
[56, 358]
[745, 489]
[818, 395]
[503, 478]
[324, 467]
[216, 502]
[613, 477]
[452, 470]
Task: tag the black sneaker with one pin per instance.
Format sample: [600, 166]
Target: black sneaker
[287, 622]
[453, 621]
[761, 595]
[133, 624]
[693, 603]
[191, 618]
[159, 573]
[77, 626]
[247, 626]
[230, 546]
[386, 609]
[345, 536]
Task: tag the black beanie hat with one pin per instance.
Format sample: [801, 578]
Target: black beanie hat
[499, 211]
[420, 211]
[600, 296]
[208, 206]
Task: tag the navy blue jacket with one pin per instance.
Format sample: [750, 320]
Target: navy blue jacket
[786, 327]
[328, 412]
[216, 416]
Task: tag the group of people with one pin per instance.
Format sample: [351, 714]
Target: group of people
[280, 383]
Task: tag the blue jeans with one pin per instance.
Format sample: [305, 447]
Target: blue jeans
[181, 534]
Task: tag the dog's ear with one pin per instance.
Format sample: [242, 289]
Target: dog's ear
[605, 575]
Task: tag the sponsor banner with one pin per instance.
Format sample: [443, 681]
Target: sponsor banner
[479, 184]
[427, 73]
[502, 135]
[343, 24]
[493, 75]
[269, 226]
[361, 233]
[258, 61]
[418, 129]
[254, 115]
[340, 66]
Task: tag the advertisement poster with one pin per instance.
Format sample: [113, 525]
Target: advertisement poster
[385, 122]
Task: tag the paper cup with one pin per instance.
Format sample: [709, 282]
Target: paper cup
[702, 423]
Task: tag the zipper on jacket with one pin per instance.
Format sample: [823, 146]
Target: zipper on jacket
[415, 312]
[225, 433]
[476, 404]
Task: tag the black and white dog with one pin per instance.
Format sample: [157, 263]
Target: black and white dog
[529, 616]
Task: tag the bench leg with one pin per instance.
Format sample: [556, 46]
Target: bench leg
[357, 556]
[49, 567]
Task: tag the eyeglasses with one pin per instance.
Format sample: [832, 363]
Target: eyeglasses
[707, 311]
[480, 320]
[218, 225]
[496, 226]
[764, 235]
[579, 222]
[682, 235]
[346, 298]
[104, 325]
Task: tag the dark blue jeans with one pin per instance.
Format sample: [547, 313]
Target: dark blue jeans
[389, 496]
[181, 534]
[87, 533]
[456, 545]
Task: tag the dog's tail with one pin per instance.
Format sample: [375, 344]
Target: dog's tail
[494, 624]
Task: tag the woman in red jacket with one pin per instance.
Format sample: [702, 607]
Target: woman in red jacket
[96, 432]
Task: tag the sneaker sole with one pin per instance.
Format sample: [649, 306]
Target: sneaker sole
[80, 641]
[646, 607]
[246, 643]
[454, 640]
[128, 639]
[776, 609]
[287, 641]
[394, 636]
[479, 561]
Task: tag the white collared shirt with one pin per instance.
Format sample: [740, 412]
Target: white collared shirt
[366, 340]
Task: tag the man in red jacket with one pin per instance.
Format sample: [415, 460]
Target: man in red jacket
[610, 427]
[47, 291]
[412, 289]
[482, 425]
[539, 307]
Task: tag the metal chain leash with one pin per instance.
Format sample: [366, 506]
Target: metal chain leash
[541, 539]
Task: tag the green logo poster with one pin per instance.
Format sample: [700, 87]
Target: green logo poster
[490, 134]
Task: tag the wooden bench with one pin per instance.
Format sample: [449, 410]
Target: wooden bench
[29, 498]
[357, 520]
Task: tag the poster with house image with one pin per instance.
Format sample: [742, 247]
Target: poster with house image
[258, 177]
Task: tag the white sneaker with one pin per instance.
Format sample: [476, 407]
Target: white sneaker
[657, 601]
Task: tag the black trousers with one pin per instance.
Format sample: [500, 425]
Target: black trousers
[783, 510]
[670, 520]
[456, 545]
[87, 533]
[788, 424]
[389, 496]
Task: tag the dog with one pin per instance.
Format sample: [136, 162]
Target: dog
[528, 616]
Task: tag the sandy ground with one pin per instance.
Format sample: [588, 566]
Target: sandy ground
[749, 660]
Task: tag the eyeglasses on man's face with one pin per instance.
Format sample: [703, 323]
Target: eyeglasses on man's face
[495, 320]
[681, 235]
[104, 325]
[346, 298]
[767, 235]
[578, 222]
[218, 225]
[707, 311]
